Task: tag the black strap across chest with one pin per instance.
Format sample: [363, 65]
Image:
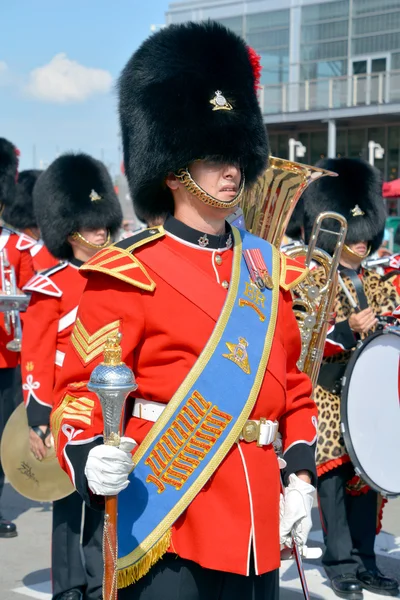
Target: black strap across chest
[358, 286]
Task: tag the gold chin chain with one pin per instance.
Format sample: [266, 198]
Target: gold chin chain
[184, 177]
[355, 254]
[78, 237]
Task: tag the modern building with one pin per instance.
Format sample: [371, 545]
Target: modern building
[331, 71]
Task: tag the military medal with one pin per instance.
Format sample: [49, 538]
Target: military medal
[258, 269]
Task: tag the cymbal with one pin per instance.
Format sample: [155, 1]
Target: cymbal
[43, 481]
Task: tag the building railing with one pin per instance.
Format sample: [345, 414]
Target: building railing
[335, 92]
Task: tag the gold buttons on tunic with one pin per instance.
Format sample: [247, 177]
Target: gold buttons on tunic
[225, 284]
[218, 259]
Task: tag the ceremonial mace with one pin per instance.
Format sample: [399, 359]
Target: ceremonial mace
[112, 381]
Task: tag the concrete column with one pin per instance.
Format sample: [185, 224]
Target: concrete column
[331, 138]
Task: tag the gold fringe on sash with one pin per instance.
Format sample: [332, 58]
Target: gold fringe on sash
[133, 573]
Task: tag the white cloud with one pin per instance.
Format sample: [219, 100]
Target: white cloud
[65, 80]
[3, 66]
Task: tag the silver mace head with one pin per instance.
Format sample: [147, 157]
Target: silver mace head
[112, 381]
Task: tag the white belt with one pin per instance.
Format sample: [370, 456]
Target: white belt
[263, 432]
[147, 409]
[59, 359]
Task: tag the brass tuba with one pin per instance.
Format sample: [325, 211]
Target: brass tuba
[267, 208]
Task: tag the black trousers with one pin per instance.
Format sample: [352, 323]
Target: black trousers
[349, 524]
[174, 578]
[10, 397]
[77, 565]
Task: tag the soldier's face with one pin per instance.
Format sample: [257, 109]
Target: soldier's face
[221, 181]
[95, 236]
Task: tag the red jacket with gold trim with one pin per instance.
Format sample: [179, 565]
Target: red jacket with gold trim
[21, 260]
[48, 324]
[42, 259]
[163, 334]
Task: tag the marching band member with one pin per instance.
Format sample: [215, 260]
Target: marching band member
[205, 341]
[21, 262]
[348, 508]
[20, 217]
[77, 211]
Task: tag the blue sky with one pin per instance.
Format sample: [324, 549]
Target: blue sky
[59, 60]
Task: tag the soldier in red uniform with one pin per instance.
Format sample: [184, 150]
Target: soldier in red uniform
[21, 261]
[20, 217]
[193, 139]
[77, 211]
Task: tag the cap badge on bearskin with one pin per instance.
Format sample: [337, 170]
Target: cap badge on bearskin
[94, 196]
[220, 102]
[357, 212]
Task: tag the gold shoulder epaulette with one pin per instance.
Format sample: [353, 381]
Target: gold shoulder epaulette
[292, 272]
[119, 261]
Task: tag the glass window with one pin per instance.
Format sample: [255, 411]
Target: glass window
[377, 23]
[324, 50]
[341, 143]
[357, 143]
[393, 152]
[283, 146]
[395, 61]
[275, 64]
[267, 20]
[304, 139]
[324, 31]
[376, 43]
[323, 69]
[273, 144]
[268, 39]
[233, 23]
[330, 10]
[371, 6]
[318, 145]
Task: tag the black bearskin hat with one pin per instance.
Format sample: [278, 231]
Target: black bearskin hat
[75, 192]
[357, 189]
[8, 171]
[296, 223]
[168, 120]
[20, 213]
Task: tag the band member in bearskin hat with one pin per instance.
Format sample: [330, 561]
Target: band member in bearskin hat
[20, 260]
[19, 216]
[77, 211]
[214, 352]
[348, 508]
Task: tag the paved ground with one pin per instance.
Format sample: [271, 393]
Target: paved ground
[25, 560]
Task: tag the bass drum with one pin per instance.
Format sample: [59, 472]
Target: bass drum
[370, 411]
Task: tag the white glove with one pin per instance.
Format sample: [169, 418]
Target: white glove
[107, 467]
[295, 512]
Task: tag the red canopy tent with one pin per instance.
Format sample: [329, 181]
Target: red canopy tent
[391, 189]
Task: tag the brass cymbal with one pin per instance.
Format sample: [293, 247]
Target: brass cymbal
[43, 481]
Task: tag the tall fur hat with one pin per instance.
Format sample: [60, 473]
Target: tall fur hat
[356, 190]
[8, 171]
[167, 116]
[296, 223]
[20, 213]
[75, 192]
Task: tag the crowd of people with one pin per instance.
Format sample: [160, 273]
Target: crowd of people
[205, 313]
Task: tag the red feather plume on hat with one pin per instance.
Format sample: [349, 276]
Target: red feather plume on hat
[255, 60]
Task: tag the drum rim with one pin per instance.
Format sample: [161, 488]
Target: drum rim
[343, 411]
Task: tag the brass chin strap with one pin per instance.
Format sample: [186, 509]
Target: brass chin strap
[184, 177]
[79, 238]
[355, 254]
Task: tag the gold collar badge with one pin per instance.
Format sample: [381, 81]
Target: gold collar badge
[357, 212]
[94, 196]
[220, 102]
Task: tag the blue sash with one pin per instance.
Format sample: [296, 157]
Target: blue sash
[203, 419]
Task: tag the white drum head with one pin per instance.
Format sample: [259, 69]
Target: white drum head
[371, 412]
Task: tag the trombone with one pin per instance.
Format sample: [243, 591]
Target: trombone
[12, 302]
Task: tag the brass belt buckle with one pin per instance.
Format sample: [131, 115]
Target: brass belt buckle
[251, 431]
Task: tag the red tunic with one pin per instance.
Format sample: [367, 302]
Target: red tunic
[164, 333]
[48, 324]
[42, 259]
[22, 262]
